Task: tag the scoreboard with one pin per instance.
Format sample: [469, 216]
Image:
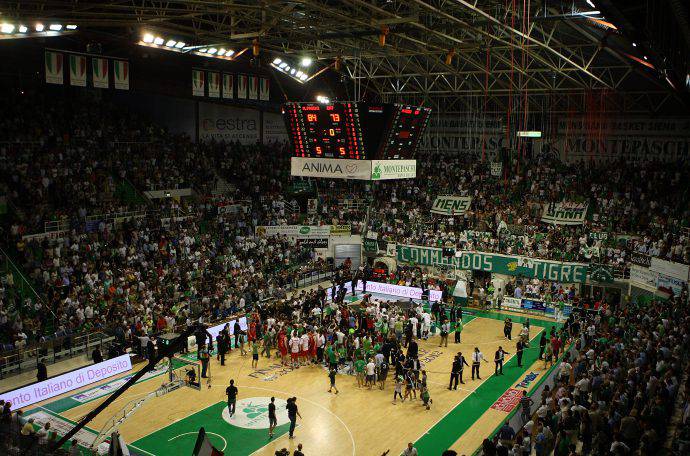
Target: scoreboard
[355, 131]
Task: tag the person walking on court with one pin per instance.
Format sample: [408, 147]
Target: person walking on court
[205, 356]
[477, 358]
[445, 329]
[520, 346]
[498, 360]
[456, 371]
[272, 419]
[458, 331]
[508, 329]
[331, 376]
[542, 344]
[231, 391]
[293, 413]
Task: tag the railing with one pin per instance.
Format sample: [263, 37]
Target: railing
[23, 359]
[309, 278]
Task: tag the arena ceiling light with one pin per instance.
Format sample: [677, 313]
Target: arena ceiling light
[10, 30]
[6, 28]
[175, 44]
[291, 70]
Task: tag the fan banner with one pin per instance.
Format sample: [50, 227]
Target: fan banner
[121, 73]
[77, 70]
[564, 213]
[198, 83]
[228, 86]
[99, 68]
[451, 205]
[54, 68]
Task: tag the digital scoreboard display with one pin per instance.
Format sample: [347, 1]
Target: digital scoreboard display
[355, 131]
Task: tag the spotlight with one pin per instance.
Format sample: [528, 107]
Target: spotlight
[148, 38]
[306, 61]
[299, 74]
[230, 52]
[634, 44]
[71, 27]
[293, 71]
[322, 99]
[171, 43]
[287, 68]
[212, 51]
[303, 77]
[55, 27]
[277, 61]
[221, 51]
[180, 44]
[645, 57]
[23, 29]
[203, 51]
[158, 41]
[283, 65]
[6, 28]
[591, 3]
[39, 27]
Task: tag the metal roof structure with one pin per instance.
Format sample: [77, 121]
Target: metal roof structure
[452, 55]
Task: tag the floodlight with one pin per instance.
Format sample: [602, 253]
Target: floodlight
[283, 65]
[277, 61]
[221, 51]
[39, 27]
[23, 29]
[7, 28]
[230, 52]
[212, 51]
[158, 40]
[71, 27]
[171, 43]
[55, 27]
[306, 61]
[180, 44]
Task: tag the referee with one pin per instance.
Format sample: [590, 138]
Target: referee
[477, 358]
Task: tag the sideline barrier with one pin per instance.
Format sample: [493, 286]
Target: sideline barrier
[37, 392]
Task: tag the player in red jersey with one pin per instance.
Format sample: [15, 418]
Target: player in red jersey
[282, 346]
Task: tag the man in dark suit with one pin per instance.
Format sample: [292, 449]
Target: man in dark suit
[499, 357]
[42, 370]
[222, 344]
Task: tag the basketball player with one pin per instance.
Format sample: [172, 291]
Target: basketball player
[294, 351]
[272, 420]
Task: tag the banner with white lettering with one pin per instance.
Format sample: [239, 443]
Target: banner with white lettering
[314, 243]
[37, 392]
[274, 128]
[451, 205]
[565, 213]
[228, 123]
[331, 168]
[295, 231]
[676, 270]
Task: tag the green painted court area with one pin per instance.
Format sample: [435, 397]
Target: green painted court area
[179, 437]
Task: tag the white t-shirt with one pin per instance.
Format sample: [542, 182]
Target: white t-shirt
[371, 368]
[294, 345]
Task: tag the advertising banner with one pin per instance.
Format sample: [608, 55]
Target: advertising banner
[242, 86]
[253, 87]
[393, 169]
[564, 213]
[508, 401]
[463, 135]
[370, 245]
[451, 205]
[64, 383]
[314, 243]
[296, 231]
[671, 269]
[496, 169]
[233, 209]
[513, 303]
[228, 123]
[264, 89]
[496, 263]
[77, 70]
[670, 284]
[331, 168]
[274, 128]
[341, 230]
[390, 289]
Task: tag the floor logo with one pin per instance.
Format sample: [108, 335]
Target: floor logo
[252, 413]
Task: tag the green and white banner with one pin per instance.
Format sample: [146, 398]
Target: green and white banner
[101, 77]
[213, 84]
[564, 213]
[54, 67]
[451, 205]
[393, 169]
[491, 262]
[77, 70]
[121, 74]
[496, 169]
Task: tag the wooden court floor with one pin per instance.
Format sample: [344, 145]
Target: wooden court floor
[356, 421]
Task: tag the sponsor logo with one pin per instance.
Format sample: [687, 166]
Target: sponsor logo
[529, 378]
[252, 413]
[304, 230]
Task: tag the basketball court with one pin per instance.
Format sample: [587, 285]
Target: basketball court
[356, 421]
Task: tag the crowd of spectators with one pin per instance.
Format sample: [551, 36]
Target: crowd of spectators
[614, 392]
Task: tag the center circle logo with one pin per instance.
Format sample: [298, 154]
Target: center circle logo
[304, 230]
[252, 413]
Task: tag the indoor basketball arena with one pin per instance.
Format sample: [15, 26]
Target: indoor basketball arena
[344, 227]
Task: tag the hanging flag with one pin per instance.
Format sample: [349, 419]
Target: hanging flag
[213, 84]
[241, 86]
[198, 83]
[77, 70]
[253, 87]
[264, 94]
[121, 72]
[203, 446]
[228, 86]
[54, 67]
[100, 73]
